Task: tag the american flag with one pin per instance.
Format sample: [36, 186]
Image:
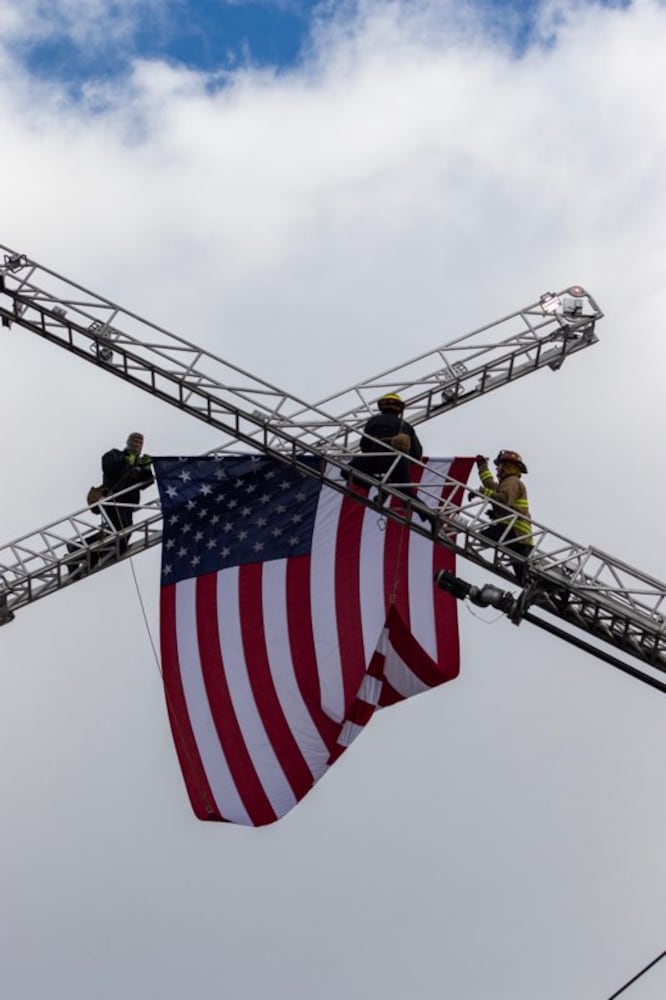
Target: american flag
[290, 612]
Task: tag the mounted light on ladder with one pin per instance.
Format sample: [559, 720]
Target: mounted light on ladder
[15, 261]
[100, 346]
[572, 305]
[550, 302]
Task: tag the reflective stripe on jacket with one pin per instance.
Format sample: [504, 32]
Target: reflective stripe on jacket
[511, 492]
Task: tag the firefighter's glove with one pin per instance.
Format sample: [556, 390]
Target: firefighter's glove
[481, 460]
[144, 461]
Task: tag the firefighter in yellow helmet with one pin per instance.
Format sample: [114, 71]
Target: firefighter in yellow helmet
[509, 490]
[389, 427]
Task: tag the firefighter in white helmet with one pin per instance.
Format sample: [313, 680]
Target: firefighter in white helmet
[508, 489]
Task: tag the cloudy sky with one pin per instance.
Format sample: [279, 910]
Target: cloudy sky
[317, 191]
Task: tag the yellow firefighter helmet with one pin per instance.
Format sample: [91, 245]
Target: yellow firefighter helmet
[391, 401]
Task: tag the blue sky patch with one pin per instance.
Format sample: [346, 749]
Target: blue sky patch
[213, 35]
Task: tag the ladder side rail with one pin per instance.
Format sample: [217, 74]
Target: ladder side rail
[552, 321]
[603, 596]
[401, 378]
[426, 404]
[560, 561]
[98, 321]
[70, 568]
[568, 580]
[436, 393]
[131, 365]
[86, 342]
[42, 548]
[167, 384]
[618, 630]
[102, 317]
[640, 671]
[38, 563]
[57, 311]
[611, 625]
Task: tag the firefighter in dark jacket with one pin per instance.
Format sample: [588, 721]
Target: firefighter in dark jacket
[514, 531]
[392, 433]
[122, 468]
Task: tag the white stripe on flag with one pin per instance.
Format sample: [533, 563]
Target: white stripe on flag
[370, 690]
[400, 677]
[421, 552]
[268, 768]
[299, 720]
[348, 733]
[371, 572]
[322, 594]
[221, 783]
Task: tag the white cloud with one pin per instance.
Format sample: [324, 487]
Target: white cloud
[412, 180]
[402, 185]
[83, 22]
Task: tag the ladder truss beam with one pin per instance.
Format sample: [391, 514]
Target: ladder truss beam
[541, 335]
[580, 585]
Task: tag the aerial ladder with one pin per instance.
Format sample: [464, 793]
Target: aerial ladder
[584, 588]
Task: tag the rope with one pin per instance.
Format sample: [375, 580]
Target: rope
[638, 976]
[145, 617]
[404, 529]
[212, 807]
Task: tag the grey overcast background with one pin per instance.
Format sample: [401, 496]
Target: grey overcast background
[421, 169]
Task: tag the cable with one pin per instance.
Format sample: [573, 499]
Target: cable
[480, 618]
[595, 651]
[637, 976]
[145, 617]
[173, 715]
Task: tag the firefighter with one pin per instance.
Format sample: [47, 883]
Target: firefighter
[388, 426]
[509, 490]
[122, 468]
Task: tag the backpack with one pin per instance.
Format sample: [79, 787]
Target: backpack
[95, 494]
[401, 442]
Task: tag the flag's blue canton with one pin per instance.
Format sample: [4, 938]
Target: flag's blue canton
[221, 511]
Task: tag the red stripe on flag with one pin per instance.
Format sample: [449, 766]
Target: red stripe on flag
[302, 646]
[196, 783]
[412, 653]
[361, 712]
[459, 470]
[446, 608]
[446, 617]
[284, 745]
[389, 696]
[395, 578]
[348, 605]
[396, 556]
[229, 732]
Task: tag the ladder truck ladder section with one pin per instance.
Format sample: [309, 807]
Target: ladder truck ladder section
[541, 335]
[584, 588]
[538, 336]
[581, 586]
